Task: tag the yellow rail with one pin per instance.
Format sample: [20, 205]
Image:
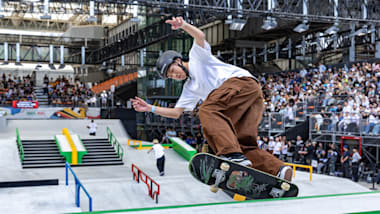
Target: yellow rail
[74, 152]
[300, 166]
[135, 141]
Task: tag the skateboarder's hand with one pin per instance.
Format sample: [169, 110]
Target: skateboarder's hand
[176, 22]
[140, 105]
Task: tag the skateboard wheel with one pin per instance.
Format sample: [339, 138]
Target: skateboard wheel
[214, 189]
[285, 186]
[224, 166]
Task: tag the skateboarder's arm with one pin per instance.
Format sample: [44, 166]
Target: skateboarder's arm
[168, 112]
[141, 106]
[198, 35]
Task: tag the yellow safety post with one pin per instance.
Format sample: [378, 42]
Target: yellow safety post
[300, 166]
[136, 141]
[74, 152]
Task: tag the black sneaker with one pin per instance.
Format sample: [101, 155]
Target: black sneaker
[237, 158]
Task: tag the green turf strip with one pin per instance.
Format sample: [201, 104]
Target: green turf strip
[369, 212]
[234, 202]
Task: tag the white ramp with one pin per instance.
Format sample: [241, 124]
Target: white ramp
[47, 199]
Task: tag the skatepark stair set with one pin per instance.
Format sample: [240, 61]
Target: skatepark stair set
[46, 153]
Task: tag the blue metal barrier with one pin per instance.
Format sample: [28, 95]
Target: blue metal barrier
[78, 185]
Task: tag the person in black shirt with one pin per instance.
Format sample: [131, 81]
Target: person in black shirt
[310, 153]
[344, 160]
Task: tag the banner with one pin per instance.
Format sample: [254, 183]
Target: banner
[24, 104]
[50, 113]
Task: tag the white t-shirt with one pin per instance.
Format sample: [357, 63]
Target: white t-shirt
[158, 150]
[271, 145]
[92, 127]
[206, 74]
[277, 148]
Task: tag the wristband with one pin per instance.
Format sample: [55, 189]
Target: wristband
[153, 107]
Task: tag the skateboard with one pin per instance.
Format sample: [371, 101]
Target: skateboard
[239, 182]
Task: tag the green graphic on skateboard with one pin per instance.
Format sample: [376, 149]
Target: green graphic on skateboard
[240, 182]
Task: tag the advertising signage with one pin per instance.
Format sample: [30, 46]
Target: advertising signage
[24, 104]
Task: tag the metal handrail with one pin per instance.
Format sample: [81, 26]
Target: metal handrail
[115, 143]
[78, 185]
[20, 147]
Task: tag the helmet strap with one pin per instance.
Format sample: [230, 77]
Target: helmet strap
[184, 69]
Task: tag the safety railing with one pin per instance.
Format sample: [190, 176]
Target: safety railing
[276, 122]
[300, 111]
[19, 145]
[78, 186]
[347, 124]
[115, 143]
[140, 175]
[301, 166]
[135, 142]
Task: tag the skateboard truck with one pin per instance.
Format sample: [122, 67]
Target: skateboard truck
[220, 176]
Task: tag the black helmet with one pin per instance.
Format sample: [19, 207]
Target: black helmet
[165, 60]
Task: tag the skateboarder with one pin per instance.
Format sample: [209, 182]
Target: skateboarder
[160, 156]
[232, 102]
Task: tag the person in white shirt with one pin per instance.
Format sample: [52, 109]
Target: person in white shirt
[159, 155]
[233, 102]
[92, 128]
[277, 148]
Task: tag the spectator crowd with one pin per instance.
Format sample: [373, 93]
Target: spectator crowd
[15, 88]
[341, 98]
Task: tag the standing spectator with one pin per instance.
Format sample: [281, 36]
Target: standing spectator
[170, 132]
[264, 146]
[271, 145]
[355, 164]
[159, 155]
[345, 160]
[310, 152]
[277, 148]
[322, 162]
[332, 157]
[259, 142]
[92, 128]
[284, 150]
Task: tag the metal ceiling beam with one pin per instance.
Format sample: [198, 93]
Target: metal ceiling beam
[319, 11]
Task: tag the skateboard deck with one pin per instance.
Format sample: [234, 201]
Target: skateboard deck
[240, 182]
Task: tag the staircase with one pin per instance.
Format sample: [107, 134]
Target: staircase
[43, 99]
[45, 154]
[99, 152]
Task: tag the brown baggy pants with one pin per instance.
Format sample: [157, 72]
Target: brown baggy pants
[230, 117]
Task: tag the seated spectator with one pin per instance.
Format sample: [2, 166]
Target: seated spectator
[191, 141]
[322, 162]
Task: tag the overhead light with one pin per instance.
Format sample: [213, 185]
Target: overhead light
[304, 26]
[269, 23]
[1, 10]
[46, 10]
[134, 19]
[45, 16]
[237, 24]
[92, 19]
[333, 29]
[362, 31]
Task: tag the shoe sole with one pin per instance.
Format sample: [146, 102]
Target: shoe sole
[288, 174]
